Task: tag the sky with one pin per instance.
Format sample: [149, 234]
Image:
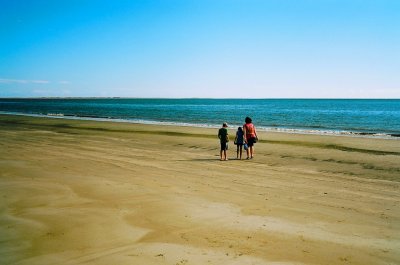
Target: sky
[200, 48]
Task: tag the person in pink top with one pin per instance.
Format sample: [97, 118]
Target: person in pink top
[250, 137]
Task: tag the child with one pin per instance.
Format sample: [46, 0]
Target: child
[239, 140]
[224, 139]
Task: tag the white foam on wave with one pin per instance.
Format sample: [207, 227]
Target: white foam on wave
[213, 126]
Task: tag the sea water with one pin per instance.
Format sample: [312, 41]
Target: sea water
[368, 117]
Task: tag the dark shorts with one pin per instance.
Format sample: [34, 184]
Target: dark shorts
[251, 141]
[224, 146]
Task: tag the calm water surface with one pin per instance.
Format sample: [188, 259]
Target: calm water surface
[359, 116]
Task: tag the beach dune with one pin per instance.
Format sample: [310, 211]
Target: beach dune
[87, 192]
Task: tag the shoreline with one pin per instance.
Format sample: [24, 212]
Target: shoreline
[393, 136]
[366, 145]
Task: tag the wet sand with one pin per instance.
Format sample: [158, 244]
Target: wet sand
[85, 192]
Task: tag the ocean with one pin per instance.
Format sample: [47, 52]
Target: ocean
[359, 117]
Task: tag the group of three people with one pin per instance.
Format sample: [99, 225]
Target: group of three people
[246, 136]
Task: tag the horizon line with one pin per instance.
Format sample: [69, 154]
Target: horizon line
[100, 97]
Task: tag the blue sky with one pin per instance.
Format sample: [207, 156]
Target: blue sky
[200, 48]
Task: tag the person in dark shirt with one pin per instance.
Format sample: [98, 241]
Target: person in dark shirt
[239, 141]
[224, 139]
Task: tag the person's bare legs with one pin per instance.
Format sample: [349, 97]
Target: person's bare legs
[251, 151]
[241, 148]
[225, 155]
[237, 152]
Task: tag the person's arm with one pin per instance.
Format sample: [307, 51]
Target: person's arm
[245, 134]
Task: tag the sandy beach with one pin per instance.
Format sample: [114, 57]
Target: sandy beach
[87, 192]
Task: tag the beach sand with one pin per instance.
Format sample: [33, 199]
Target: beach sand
[87, 192]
